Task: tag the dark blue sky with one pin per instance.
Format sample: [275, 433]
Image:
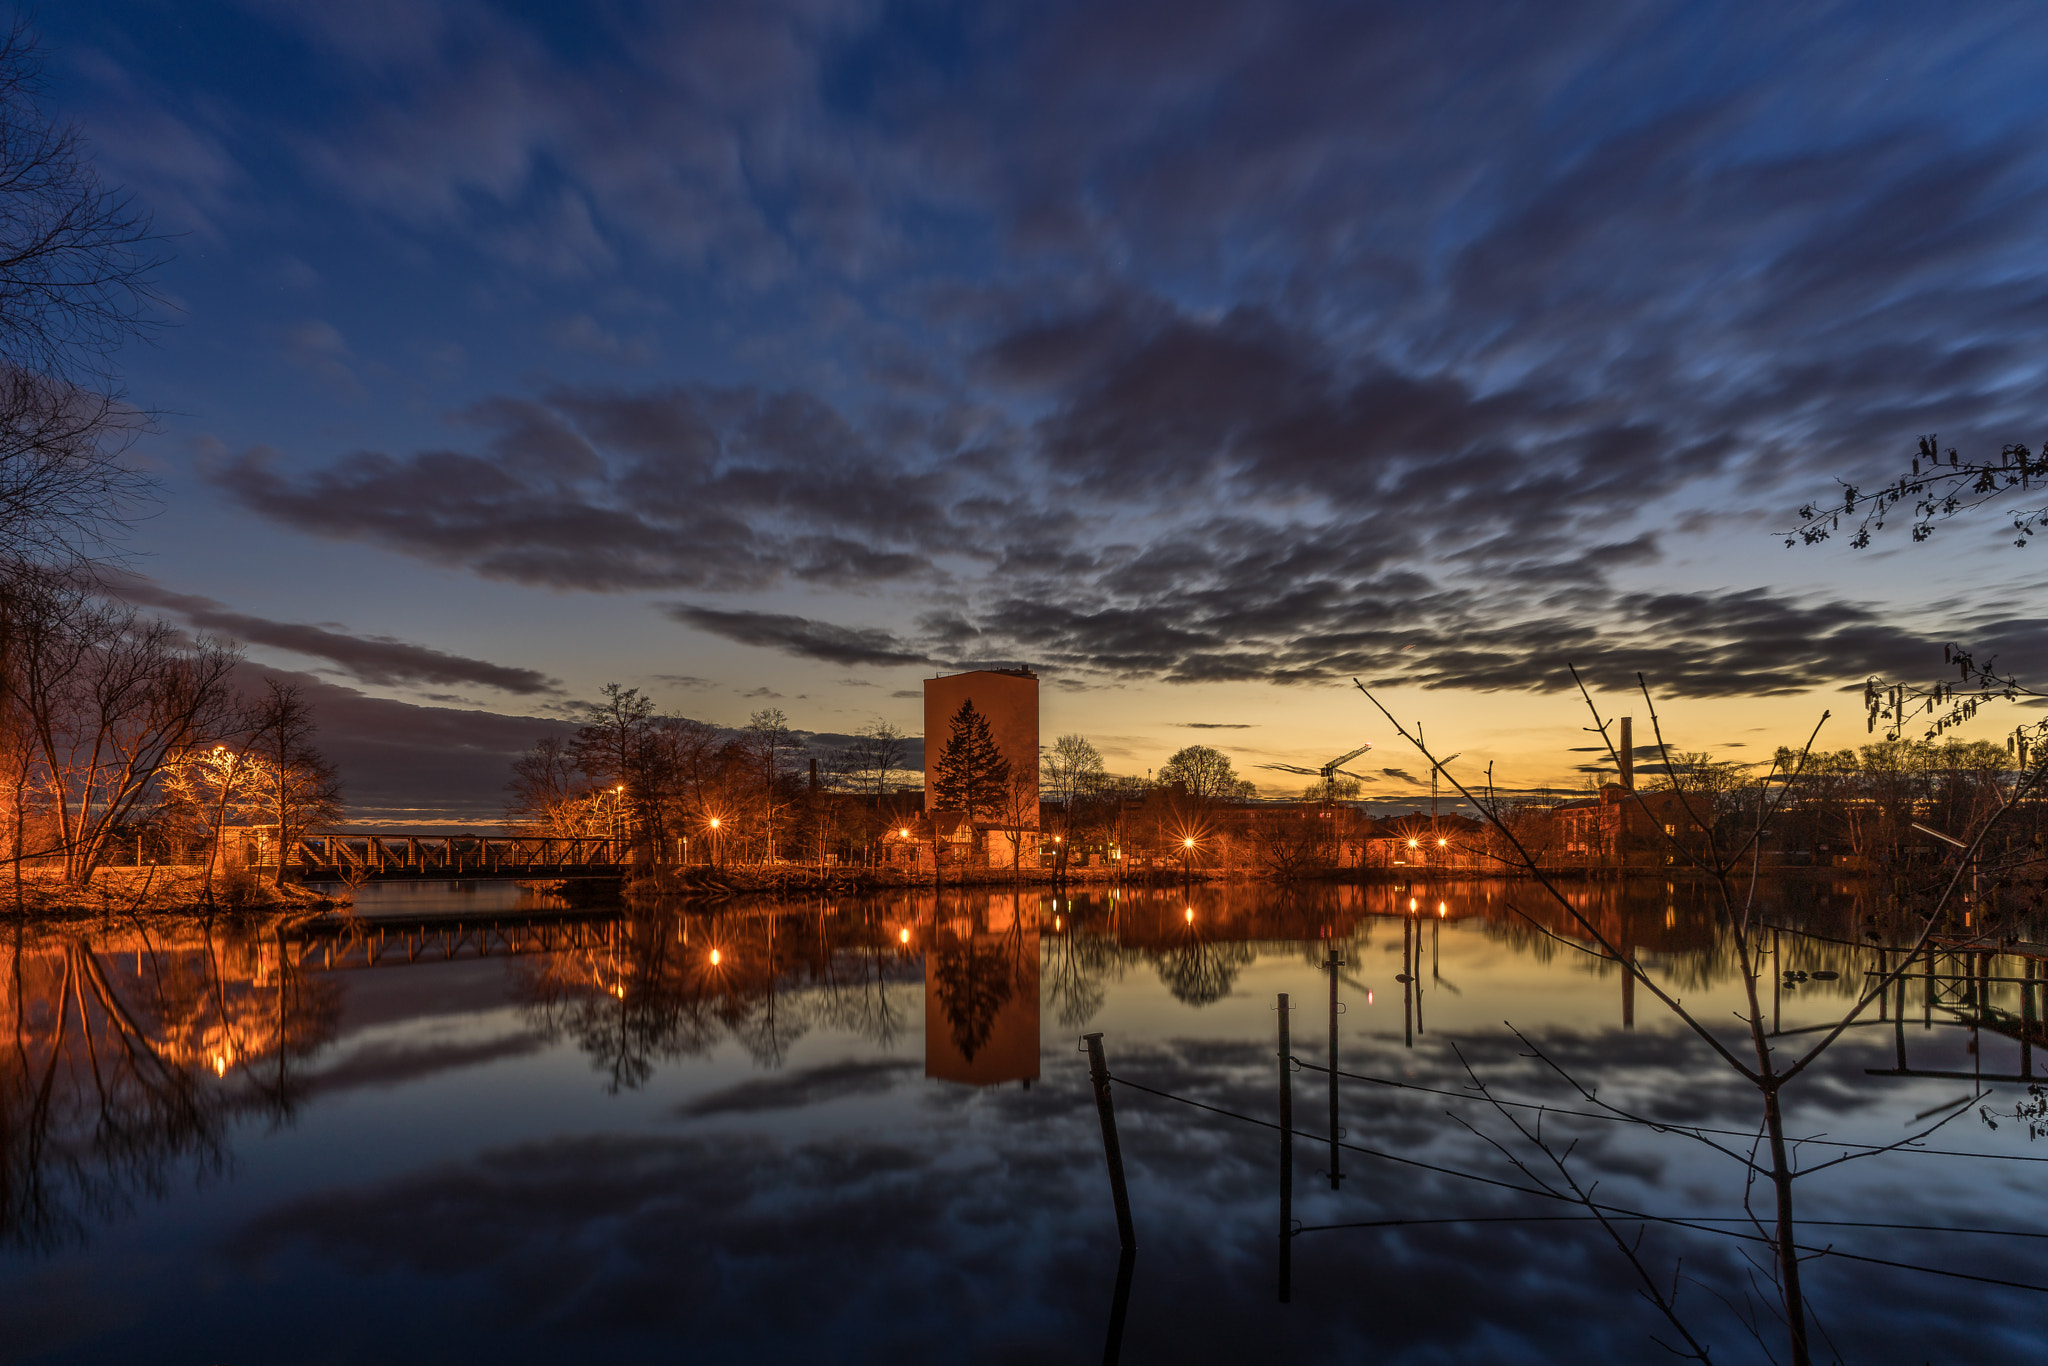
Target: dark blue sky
[1202, 355]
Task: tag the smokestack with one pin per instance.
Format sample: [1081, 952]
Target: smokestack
[1628, 753]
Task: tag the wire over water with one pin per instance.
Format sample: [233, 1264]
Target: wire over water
[1619, 1212]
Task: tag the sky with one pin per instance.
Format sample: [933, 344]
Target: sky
[1203, 357]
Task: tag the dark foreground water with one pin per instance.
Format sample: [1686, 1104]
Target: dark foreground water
[862, 1131]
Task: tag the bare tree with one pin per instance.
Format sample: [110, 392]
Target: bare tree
[1206, 773]
[293, 784]
[1072, 771]
[76, 260]
[775, 751]
[1729, 855]
[1018, 812]
[543, 783]
[876, 752]
[107, 700]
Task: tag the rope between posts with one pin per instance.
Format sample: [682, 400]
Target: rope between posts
[1618, 1212]
[1348, 1147]
[1657, 1125]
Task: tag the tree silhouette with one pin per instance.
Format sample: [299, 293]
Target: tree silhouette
[1206, 773]
[973, 775]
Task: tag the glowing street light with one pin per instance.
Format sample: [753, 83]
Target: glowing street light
[903, 936]
[714, 958]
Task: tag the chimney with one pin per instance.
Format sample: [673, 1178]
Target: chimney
[1628, 753]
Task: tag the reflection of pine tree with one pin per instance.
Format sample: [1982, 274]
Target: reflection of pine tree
[974, 982]
[972, 774]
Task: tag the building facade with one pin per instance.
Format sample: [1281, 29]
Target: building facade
[1009, 699]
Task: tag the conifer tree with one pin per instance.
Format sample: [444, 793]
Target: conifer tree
[972, 774]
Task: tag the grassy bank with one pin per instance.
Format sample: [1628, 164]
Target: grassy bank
[155, 891]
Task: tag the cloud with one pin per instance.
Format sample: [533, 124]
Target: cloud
[710, 489]
[584, 333]
[408, 764]
[799, 636]
[318, 348]
[1216, 725]
[810, 1086]
[377, 660]
[1263, 353]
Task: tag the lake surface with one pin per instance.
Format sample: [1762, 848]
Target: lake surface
[864, 1131]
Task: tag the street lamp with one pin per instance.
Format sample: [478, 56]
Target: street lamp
[1187, 849]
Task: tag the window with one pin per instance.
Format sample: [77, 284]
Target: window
[1670, 829]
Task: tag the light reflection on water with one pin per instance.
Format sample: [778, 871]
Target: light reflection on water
[860, 1129]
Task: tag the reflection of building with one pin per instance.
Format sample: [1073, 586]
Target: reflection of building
[1621, 822]
[981, 1001]
[1008, 698]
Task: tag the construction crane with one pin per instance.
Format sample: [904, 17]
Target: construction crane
[1329, 770]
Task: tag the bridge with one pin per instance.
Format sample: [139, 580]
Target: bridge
[341, 946]
[393, 855]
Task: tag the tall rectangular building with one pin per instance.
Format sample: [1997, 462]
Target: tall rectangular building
[1008, 698]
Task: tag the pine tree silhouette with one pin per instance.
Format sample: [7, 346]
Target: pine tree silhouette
[972, 771]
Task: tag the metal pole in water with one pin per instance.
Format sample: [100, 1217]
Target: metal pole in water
[1105, 1109]
[1336, 1169]
[1286, 1157]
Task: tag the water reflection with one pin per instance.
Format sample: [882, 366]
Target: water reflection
[132, 1051]
[662, 987]
[981, 993]
[823, 1093]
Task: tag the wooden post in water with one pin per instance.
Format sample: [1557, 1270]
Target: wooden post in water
[1119, 1306]
[2027, 1017]
[1408, 981]
[1105, 1110]
[1286, 1157]
[1336, 1165]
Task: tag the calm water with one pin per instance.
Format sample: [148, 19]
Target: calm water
[865, 1133]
